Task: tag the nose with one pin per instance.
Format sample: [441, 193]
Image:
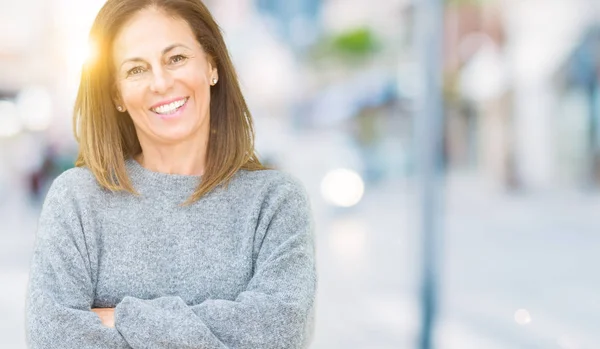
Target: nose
[161, 80]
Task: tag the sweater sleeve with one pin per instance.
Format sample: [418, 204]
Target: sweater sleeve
[275, 310]
[60, 290]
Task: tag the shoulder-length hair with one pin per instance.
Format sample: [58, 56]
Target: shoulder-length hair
[107, 138]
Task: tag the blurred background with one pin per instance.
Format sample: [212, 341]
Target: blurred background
[336, 89]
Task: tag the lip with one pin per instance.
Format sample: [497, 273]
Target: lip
[175, 114]
[167, 101]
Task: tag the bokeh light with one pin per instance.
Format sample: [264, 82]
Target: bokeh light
[522, 317]
[10, 123]
[35, 108]
[342, 187]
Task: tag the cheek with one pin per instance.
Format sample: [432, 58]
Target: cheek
[132, 94]
[202, 96]
[194, 77]
[195, 82]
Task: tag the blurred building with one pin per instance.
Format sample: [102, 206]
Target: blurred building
[578, 87]
[502, 100]
[297, 21]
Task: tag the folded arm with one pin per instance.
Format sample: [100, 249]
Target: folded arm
[60, 290]
[275, 310]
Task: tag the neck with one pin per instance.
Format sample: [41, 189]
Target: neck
[174, 158]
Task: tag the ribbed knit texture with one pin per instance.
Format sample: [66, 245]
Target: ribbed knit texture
[236, 269]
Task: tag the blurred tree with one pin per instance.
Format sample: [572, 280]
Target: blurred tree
[466, 2]
[351, 46]
[356, 42]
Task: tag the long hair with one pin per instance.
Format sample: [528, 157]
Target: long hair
[107, 138]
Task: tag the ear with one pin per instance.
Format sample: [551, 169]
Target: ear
[119, 105]
[117, 100]
[214, 73]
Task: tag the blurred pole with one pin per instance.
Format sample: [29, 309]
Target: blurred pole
[429, 131]
[593, 135]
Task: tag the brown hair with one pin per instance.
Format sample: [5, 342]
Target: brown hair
[106, 138]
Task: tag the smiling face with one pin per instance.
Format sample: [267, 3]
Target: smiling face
[163, 78]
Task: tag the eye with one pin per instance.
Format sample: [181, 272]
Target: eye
[135, 71]
[178, 58]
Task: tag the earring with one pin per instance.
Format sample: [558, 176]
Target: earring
[214, 81]
[120, 108]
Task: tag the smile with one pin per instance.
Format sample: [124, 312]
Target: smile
[170, 108]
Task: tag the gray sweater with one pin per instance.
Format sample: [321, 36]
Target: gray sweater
[234, 270]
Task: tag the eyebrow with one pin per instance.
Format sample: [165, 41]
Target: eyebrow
[164, 52]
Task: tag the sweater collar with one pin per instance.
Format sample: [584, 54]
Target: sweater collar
[144, 179]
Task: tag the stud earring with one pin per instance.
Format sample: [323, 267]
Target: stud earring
[120, 108]
[214, 81]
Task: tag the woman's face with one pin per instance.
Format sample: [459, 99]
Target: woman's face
[163, 78]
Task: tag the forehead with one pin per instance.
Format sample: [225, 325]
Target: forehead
[150, 31]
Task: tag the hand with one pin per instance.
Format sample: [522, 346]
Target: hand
[107, 316]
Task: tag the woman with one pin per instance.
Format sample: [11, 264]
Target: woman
[169, 233]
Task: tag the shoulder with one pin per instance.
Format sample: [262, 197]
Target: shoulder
[72, 183]
[67, 208]
[272, 182]
[266, 192]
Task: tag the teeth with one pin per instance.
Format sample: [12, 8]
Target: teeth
[169, 108]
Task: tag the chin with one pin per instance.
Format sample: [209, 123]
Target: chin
[172, 137]
[176, 134]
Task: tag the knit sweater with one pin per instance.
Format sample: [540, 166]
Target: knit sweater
[235, 269]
